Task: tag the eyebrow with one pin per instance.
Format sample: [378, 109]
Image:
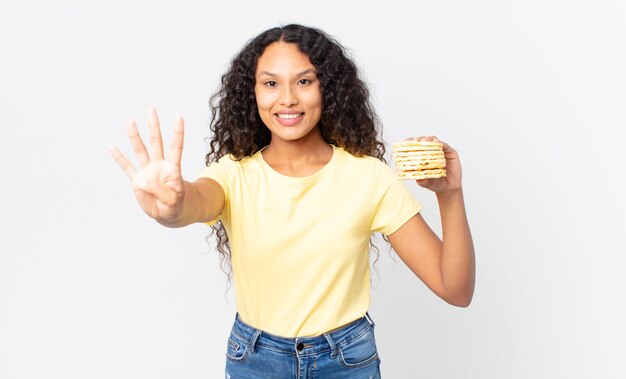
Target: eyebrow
[307, 71]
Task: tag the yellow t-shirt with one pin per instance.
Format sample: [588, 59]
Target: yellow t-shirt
[300, 245]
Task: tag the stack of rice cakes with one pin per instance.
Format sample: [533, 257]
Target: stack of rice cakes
[419, 160]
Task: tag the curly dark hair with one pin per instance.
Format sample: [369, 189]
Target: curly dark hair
[348, 119]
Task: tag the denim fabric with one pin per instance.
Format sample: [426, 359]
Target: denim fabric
[347, 352]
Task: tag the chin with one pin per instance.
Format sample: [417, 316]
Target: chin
[291, 135]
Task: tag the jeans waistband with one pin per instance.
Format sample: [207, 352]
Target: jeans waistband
[256, 338]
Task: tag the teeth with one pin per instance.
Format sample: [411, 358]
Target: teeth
[289, 116]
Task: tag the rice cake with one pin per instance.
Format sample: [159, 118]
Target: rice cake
[419, 160]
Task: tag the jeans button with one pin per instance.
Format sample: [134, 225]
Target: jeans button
[300, 346]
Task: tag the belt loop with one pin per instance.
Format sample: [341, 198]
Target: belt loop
[333, 348]
[253, 340]
[369, 319]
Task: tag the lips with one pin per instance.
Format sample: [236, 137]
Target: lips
[289, 118]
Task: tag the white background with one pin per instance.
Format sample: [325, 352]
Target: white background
[531, 93]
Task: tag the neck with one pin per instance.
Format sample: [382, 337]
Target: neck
[312, 148]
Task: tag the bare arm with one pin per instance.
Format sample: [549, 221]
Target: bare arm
[203, 202]
[158, 184]
[446, 266]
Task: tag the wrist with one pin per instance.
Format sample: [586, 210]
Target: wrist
[450, 194]
[173, 223]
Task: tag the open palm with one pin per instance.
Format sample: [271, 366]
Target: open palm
[158, 183]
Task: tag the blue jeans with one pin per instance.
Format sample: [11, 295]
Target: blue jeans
[347, 352]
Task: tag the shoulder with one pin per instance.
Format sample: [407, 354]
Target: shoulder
[364, 164]
[227, 160]
[231, 162]
[364, 160]
[225, 168]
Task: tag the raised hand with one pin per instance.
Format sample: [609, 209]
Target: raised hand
[158, 183]
[452, 181]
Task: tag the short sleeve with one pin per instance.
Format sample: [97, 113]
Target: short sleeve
[220, 171]
[393, 204]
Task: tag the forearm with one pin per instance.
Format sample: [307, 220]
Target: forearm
[458, 268]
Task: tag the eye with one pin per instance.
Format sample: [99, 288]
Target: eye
[304, 82]
[271, 83]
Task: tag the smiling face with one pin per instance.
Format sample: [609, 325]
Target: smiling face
[288, 93]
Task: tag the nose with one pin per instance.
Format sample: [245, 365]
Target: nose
[288, 96]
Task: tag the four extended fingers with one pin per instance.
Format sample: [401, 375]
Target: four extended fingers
[174, 156]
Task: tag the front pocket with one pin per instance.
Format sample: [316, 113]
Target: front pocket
[235, 351]
[359, 352]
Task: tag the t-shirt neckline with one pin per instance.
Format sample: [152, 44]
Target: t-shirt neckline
[307, 178]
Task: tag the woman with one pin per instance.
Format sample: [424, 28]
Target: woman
[295, 186]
